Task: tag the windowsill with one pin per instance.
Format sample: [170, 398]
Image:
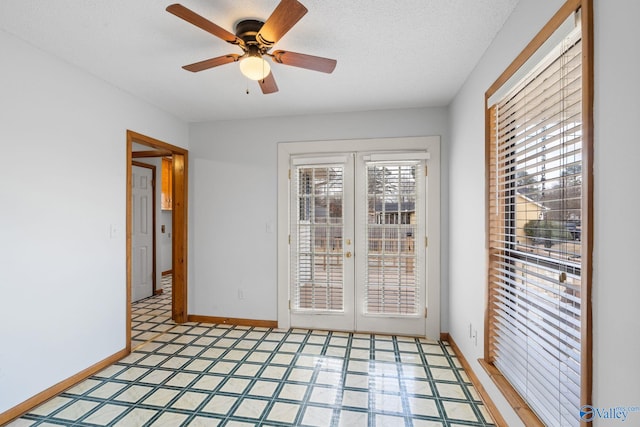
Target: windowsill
[528, 417]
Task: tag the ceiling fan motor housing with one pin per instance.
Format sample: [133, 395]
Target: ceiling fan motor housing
[247, 30]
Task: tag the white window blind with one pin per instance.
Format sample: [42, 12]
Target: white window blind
[317, 232]
[535, 235]
[394, 209]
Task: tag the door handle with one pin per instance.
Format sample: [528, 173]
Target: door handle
[348, 254]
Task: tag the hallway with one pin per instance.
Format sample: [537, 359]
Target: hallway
[151, 316]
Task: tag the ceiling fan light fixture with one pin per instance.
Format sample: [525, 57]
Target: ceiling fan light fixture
[254, 67]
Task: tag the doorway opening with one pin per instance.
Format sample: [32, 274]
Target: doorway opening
[179, 192]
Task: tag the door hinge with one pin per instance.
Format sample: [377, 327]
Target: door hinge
[425, 312]
[426, 241]
[289, 238]
[289, 304]
[426, 169]
[289, 173]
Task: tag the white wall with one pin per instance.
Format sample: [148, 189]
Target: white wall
[616, 282]
[62, 187]
[616, 287]
[234, 198]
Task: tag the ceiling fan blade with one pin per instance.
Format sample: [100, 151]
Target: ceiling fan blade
[310, 62]
[193, 18]
[210, 63]
[283, 18]
[268, 84]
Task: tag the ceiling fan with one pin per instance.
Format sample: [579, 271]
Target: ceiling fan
[256, 38]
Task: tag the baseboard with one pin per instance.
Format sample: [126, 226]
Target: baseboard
[233, 321]
[488, 403]
[56, 389]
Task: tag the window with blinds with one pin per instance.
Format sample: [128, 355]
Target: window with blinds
[536, 218]
[393, 208]
[317, 263]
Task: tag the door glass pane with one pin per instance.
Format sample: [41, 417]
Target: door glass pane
[392, 283]
[317, 239]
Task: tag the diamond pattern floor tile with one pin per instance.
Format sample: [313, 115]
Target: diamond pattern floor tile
[198, 374]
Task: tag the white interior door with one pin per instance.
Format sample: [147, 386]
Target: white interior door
[357, 242]
[142, 233]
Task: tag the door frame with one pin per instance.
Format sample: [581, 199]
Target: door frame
[431, 144]
[153, 222]
[179, 226]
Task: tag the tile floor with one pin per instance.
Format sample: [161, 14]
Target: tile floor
[199, 374]
[151, 316]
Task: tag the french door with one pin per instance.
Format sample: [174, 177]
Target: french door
[357, 242]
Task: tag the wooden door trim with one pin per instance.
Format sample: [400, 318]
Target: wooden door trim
[179, 241]
[153, 222]
[150, 153]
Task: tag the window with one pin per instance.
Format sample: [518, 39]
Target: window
[317, 259]
[393, 210]
[538, 155]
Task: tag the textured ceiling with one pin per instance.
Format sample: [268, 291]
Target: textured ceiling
[390, 53]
